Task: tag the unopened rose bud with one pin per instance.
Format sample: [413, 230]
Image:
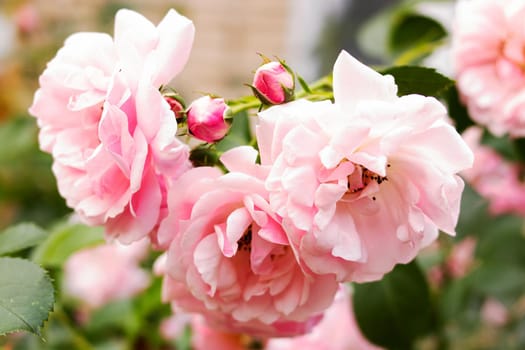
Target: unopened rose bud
[206, 119]
[175, 105]
[273, 83]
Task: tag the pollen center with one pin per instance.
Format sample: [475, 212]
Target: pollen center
[361, 177]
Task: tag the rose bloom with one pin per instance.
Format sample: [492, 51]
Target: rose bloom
[494, 178]
[105, 273]
[230, 258]
[108, 128]
[363, 183]
[488, 41]
[337, 331]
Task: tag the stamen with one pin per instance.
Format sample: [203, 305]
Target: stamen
[245, 242]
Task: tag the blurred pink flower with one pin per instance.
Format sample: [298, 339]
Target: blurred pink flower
[110, 131]
[494, 178]
[27, 18]
[364, 183]
[461, 257]
[173, 327]
[273, 83]
[230, 258]
[337, 331]
[206, 119]
[494, 313]
[105, 273]
[488, 41]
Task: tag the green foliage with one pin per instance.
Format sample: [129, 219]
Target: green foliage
[65, 239]
[419, 80]
[396, 310]
[27, 184]
[19, 237]
[26, 296]
[239, 133]
[410, 30]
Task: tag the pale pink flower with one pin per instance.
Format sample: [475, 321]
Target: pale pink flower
[494, 178]
[337, 331]
[494, 313]
[110, 131]
[364, 183]
[206, 119]
[273, 83]
[173, 327]
[230, 258]
[488, 41]
[105, 273]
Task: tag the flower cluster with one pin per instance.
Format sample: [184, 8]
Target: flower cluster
[337, 191]
[489, 59]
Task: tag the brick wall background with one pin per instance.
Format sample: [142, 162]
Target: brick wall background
[228, 35]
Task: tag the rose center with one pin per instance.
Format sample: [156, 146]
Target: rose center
[245, 242]
[361, 177]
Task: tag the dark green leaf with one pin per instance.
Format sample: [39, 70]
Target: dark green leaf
[26, 296]
[519, 146]
[65, 240]
[411, 29]
[457, 111]
[419, 80]
[397, 310]
[19, 237]
[238, 135]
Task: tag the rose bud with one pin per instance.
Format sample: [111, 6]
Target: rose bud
[206, 119]
[176, 106]
[273, 83]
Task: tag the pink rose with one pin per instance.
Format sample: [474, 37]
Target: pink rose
[488, 41]
[364, 183]
[494, 313]
[494, 178]
[206, 119]
[106, 273]
[337, 331]
[230, 258]
[110, 131]
[273, 84]
[205, 337]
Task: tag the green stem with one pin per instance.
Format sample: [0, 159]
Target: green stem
[80, 342]
[320, 90]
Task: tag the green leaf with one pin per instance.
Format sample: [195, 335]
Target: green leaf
[238, 135]
[64, 240]
[397, 310]
[505, 282]
[410, 29]
[21, 236]
[419, 80]
[457, 111]
[26, 296]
